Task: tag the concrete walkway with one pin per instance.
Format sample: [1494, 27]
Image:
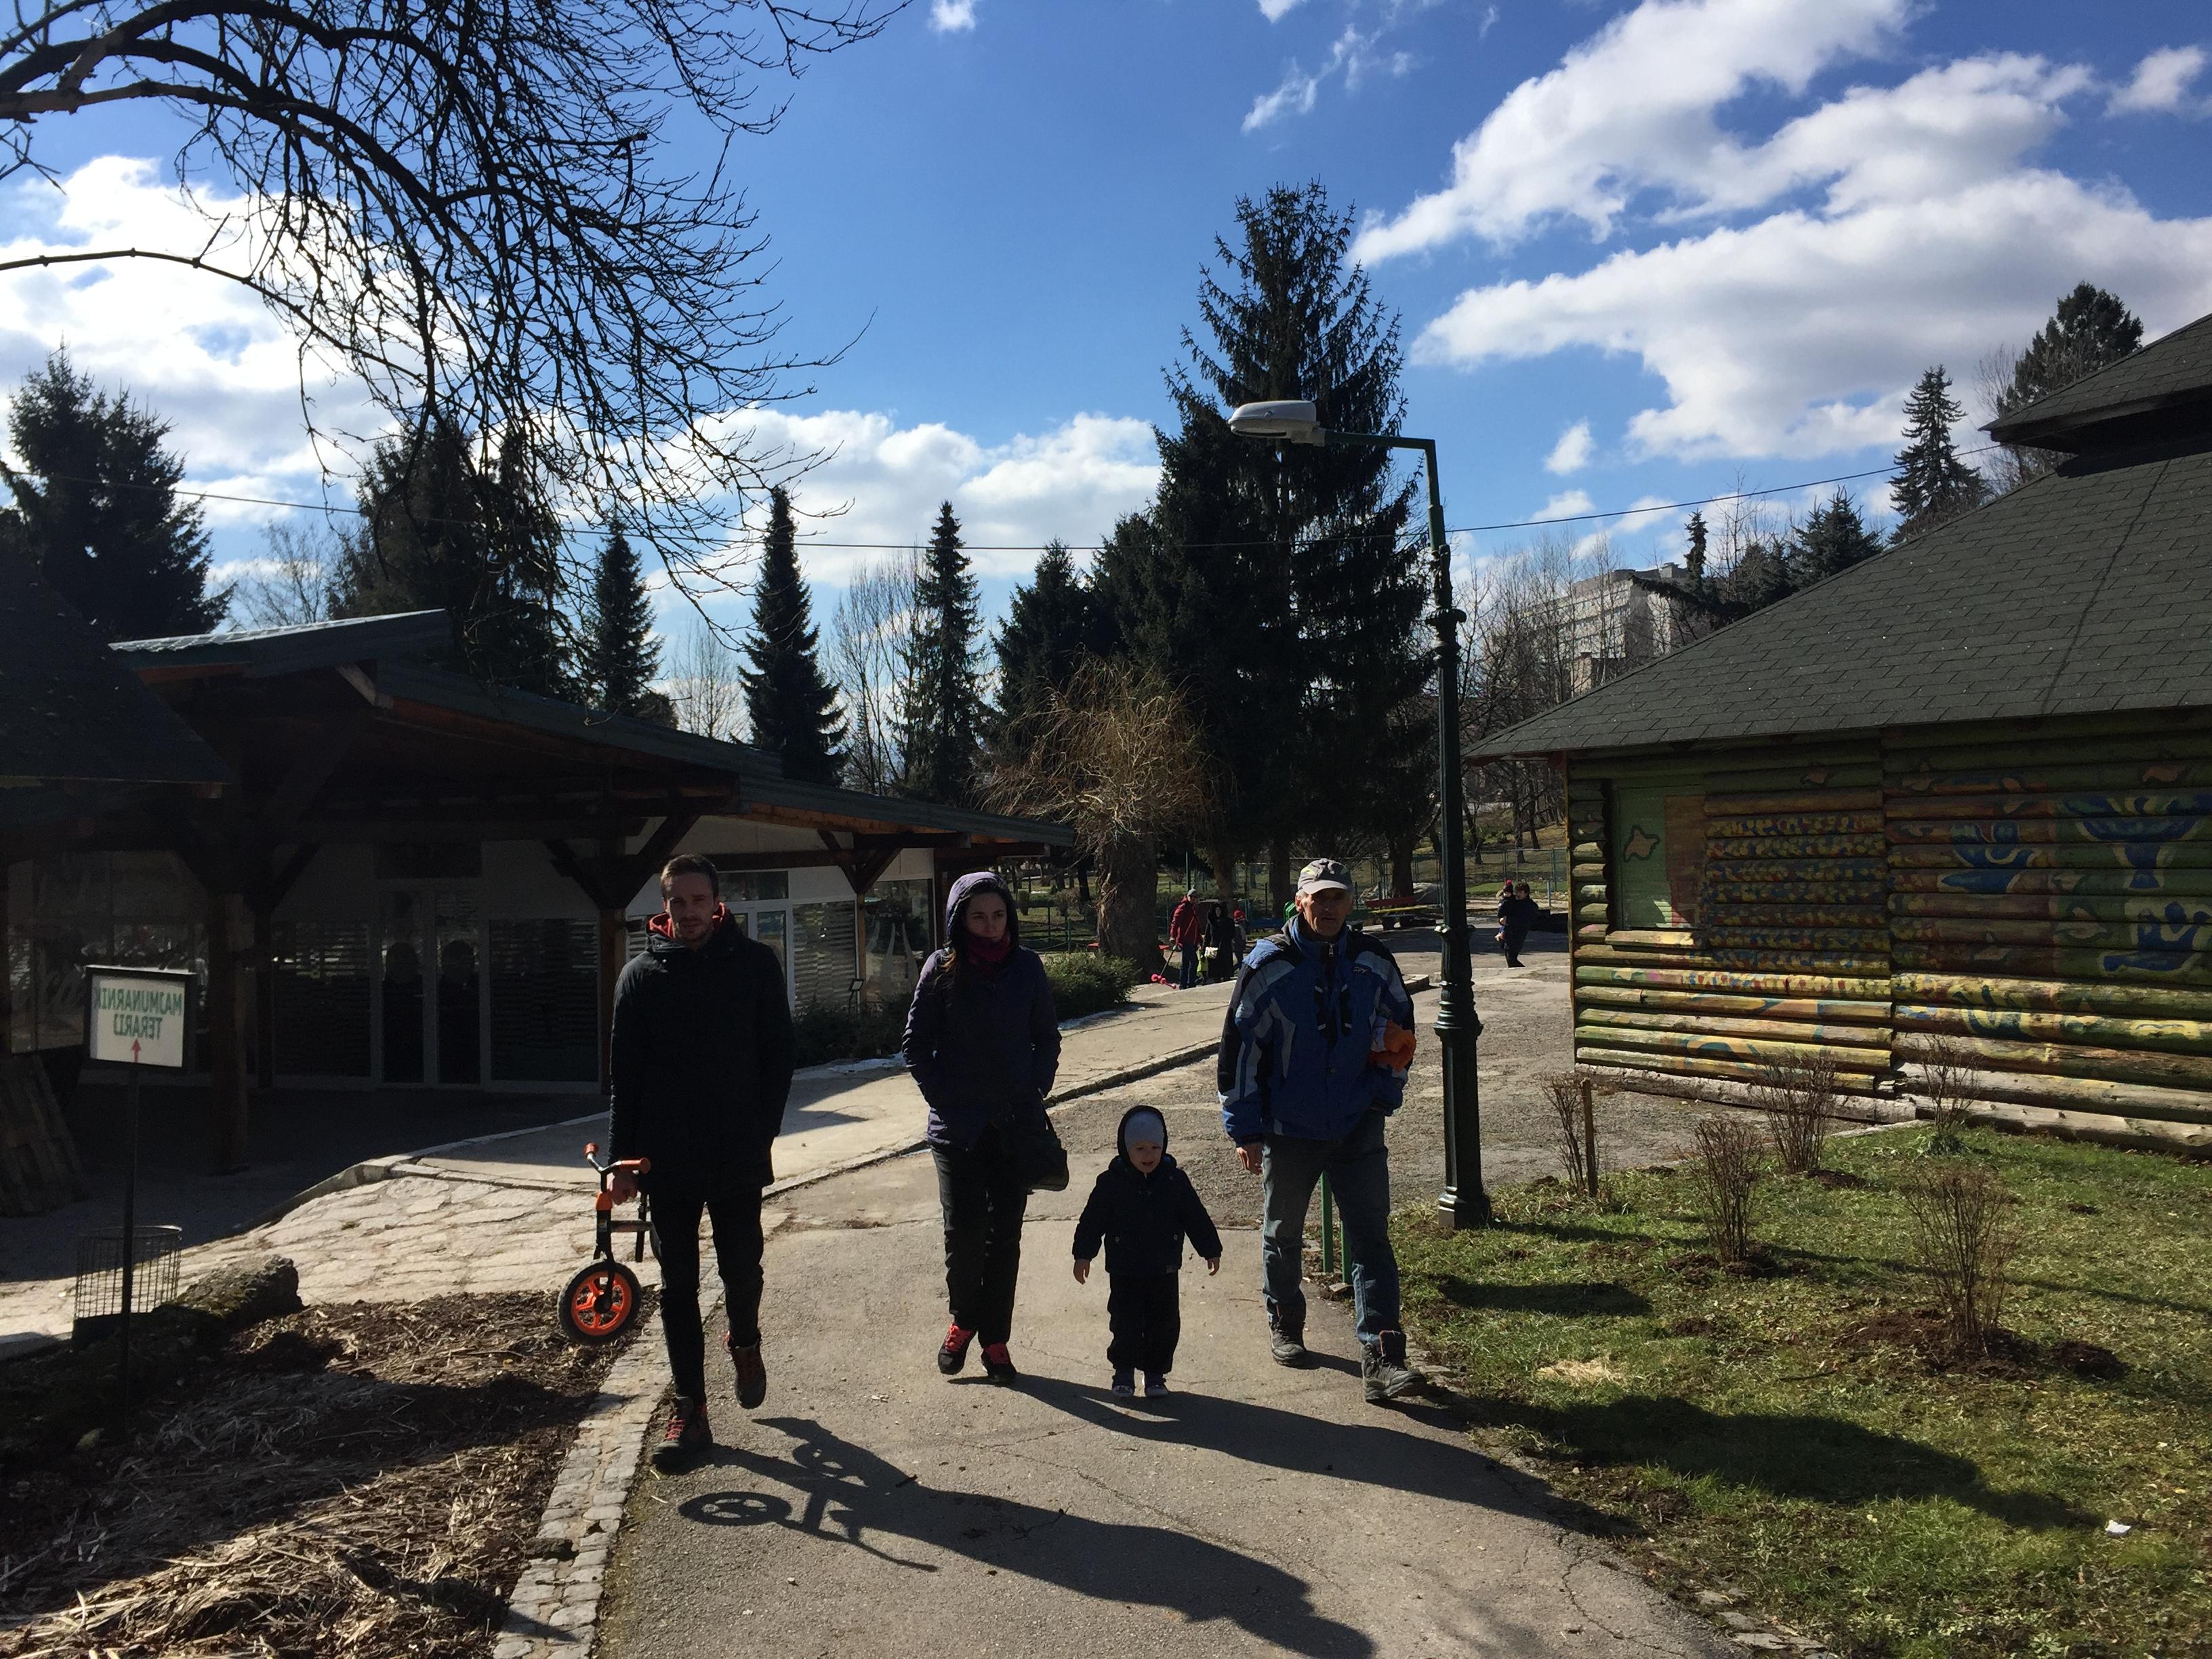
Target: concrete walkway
[842, 1115]
[873, 1508]
[513, 1211]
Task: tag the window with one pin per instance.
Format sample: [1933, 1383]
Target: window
[898, 921]
[321, 971]
[823, 939]
[1658, 854]
[545, 1002]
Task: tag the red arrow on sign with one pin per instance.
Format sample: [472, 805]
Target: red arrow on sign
[133, 1051]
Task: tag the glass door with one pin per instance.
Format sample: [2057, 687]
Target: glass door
[771, 925]
[460, 1033]
[400, 987]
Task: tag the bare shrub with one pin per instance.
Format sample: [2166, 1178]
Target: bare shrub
[1963, 1237]
[1798, 1099]
[1947, 1066]
[1724, 1183]
[1569, 1096]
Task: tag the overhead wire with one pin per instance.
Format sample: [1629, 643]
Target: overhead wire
[1639, 509]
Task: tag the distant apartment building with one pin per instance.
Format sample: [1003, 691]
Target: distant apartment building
[1618, 620]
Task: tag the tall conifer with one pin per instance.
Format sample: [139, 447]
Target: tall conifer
[1051, 625]
[1833, 539]
[1932, 484]
[95, 508]
[942, 706]
[620, 655]
[789, 701]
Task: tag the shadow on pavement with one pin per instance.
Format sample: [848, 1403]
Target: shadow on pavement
[1376, 1453]
[848, 1495]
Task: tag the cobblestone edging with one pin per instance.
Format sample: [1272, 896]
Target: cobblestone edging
[554, 1613]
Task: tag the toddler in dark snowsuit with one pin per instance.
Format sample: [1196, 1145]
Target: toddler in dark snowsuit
[1144, 1207]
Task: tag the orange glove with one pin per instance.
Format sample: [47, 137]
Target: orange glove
[1396, 1052]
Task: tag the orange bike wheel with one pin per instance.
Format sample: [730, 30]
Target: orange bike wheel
[599, 1302]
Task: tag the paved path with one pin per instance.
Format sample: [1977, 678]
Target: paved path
[874, 1508]
[513, 1214]
[840, 1115]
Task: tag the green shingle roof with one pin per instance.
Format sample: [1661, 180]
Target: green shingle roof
[2161, 391]
[2088, 591]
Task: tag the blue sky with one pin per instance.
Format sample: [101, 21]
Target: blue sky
[1640, 251]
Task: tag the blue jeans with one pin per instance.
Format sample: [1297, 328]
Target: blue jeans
[1190, 975]
[1359, 1170]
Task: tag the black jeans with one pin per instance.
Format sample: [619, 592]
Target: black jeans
[1145, 1315]
[981, 1194]
[735, 1207]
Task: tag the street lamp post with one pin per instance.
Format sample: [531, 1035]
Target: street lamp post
[1463, 1199]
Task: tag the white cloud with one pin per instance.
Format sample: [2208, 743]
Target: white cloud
[202, 352]
[1904, 224]
[951, 16]
[1798, 335]
[1631, 108]
[1489, 23]
[1275, 10]
[1572, 504]
[882, 482]
[1572, 452]
[2161, 82]
[1294, 97]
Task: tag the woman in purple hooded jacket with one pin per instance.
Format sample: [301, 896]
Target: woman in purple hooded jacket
[983, 1043]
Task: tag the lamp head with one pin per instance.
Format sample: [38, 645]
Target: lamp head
[1289, 422]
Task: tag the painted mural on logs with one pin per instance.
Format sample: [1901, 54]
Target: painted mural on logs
[2043, 903]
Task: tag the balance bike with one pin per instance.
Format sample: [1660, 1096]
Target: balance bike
[601, 1299]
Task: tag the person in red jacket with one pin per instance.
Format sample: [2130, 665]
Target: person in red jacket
[1186, 927]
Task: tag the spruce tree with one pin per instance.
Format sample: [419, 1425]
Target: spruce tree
[620, 656]
[789, 701]
[1932, 484]
[1050, 627]
[445, 529]
[1284, 594]
[1693, 558]
[2090, 328]
[95, 508]
[1833, 539]
[941, 708]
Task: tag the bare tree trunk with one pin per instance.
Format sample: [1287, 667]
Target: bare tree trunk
[1279, 874]
[1128, 921]
[1401, 864]
[1224, 873]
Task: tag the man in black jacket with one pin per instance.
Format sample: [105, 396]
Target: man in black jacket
[702, 1056]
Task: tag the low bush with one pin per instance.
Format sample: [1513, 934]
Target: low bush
[1724, 1177]
[1088, 981]
[1799, 1100]
[830, 1031]
[1963, 1237]
[1577, 1132]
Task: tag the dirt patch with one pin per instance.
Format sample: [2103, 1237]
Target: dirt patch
[1922, 1332]
[1835, 1180]
[361, 1480]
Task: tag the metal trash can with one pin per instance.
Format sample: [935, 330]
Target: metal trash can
[159, 1258]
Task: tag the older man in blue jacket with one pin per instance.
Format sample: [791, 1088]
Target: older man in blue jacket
[1311, 1063]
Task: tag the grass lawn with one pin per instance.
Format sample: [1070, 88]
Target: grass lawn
[1782, 1439]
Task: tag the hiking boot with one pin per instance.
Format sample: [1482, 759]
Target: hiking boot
[686, 1439]
[998, 1364]
[954, 1354]
[752, 1376]
[1124, 1383]
[1286, 1342]
[1383, 1369]
[1156, 1385]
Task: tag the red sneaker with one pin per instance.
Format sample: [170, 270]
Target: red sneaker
[686, 1438]
[954, 1354]
[998, 1364]
[752, 1376]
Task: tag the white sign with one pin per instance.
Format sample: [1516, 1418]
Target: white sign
[136, 1015]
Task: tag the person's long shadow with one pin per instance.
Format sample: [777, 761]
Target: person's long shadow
[1823, 1458]
[849, 1495]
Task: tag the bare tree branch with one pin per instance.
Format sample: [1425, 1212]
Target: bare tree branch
[470, 208]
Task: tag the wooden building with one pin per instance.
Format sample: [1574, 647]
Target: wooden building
[1963, 789]
[389, 874]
